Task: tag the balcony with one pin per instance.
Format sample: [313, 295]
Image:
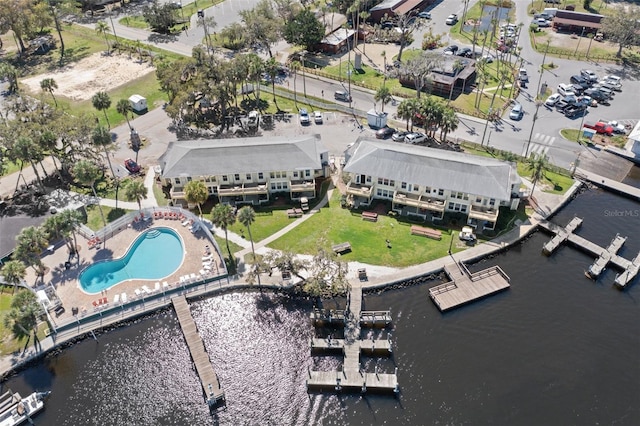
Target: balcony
[302, 186]
[419, 201]
[359, 190]
[244, 189]
[177, 193]
[482, 213]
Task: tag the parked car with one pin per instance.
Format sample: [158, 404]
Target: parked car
[385, 132]
[580, 80]
[522, 75]
[614, 80]
[586, 101]
[578, 89]
[466, 234]
[589, 75]
[574, 110]
[415, 138]
[488, 58]
[516, 112]
[565, 103]
[304, 117]
[596, 94]
[600, 127]
[317, 117]
[451, 19]
[399, 136]
[608, 84]
[553, 99]
[131, 166]
[617, 127]
[465, 52]
[608, 93]
[424, 15]
[541, 22]
[565, 89]
[450, 50]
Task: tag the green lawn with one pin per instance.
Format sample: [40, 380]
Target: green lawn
[597, 6]
[333, 225]
[94, 220]
[267, 222]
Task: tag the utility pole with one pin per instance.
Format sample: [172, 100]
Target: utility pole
[348, 65]
[535, 117]
[544, 57]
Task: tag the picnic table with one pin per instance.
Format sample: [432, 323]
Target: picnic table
[371, 216]
[294, 213]
[434, 234]
[341, 248]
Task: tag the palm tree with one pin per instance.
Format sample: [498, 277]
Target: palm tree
[449, 123]
[124, 107]
[103, 28]
[538, 164]
[10, 73]
[102, 137]
[383, 95]
[14, 272]
[196, 192]
[71, 220]
[49, 85]
[136, 191]
[30, 243]
[247, 216]
[22, 319]
[222, 216]
[88, 173]
[271, 68]
[26, 149]
[407, 109]
[101, 101]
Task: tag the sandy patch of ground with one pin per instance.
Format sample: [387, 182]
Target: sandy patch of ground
[81, 80]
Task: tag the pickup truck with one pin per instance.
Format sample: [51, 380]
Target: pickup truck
[600, 127]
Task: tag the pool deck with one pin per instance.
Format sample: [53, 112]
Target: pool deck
[66, 280]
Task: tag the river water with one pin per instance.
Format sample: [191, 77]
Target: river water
[555, 349]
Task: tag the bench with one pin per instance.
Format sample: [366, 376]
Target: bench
[341, 248]
[373, 217]
[362, 274]
[294, 213]
[434, 234]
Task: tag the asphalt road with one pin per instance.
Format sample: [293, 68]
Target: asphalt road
[508, 135]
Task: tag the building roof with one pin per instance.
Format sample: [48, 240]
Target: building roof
[437, 168]
[387, 4]
[337, 37]
[406, 7]
[576, 23]
[243, 155]
[635, 132]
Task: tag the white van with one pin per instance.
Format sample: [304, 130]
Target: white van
[551, 11]
[342, 95]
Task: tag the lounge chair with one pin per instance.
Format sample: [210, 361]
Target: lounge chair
[104, 301]
[137, 292]
[193, 277]
[203, 272]
[95, 304]
[207, 267]
[156, 289]
[123, 298]
[116, 299]
[165, 286]
[207, 263]
[186, 222]
[146, 289]
[207, 258]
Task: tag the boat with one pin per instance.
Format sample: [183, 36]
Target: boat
[15, 410]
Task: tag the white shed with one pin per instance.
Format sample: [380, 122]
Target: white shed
[138, 103]
[376, 120]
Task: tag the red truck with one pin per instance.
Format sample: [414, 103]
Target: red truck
[601, 127]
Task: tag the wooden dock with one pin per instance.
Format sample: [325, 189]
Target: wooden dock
[465, 287]
[328, 317]
[610, 184]
[208, 377]
[605, 256]
[351, 377]
[629, 274]
[375, 318]
[562, 234]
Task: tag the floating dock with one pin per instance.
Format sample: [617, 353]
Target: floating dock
[208, 377]
[465, 287]
[605, 256]
[328, 317]
[351, 377]
[562, 234]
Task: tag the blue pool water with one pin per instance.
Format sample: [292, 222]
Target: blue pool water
[155, 254]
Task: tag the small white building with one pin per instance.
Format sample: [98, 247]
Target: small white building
[633, 142]
[138, 103]
[376, 119]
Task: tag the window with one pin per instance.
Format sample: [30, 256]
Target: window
[403, 185]
[225, 178]
[307, 173]
[379, 192]
[260, 176]
[295, 174]
[441, 192]
[273, 186]
[478, 200]
[492, 202]
[379, 181]
[427, 189]
[392, 183]
[368, 179]
[236, 177]
[463, 208]
[272, 175]
[248, 176]
[284, 185]
[450, 206]
[189, 179]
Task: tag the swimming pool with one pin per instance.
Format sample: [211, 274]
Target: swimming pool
[155, 254]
